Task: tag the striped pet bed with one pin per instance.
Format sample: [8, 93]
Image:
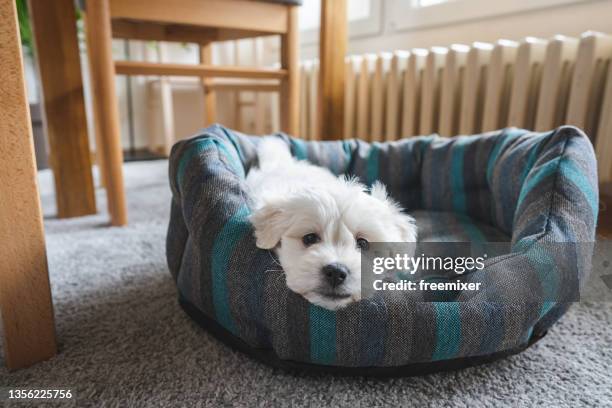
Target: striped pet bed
[528, 189]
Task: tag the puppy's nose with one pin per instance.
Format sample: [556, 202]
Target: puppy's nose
[335, 273]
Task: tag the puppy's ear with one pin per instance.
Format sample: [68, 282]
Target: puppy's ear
[270, 222]
[405, 223]
[379, 191]
[407, 226]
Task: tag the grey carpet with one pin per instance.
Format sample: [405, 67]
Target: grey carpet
[124, 341]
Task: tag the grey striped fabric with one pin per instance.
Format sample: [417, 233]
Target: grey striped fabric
[528, 189]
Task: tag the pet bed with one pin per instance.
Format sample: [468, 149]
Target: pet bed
[510, 185]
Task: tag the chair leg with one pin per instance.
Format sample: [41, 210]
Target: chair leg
[25, 296]
[167, 105]
[260, 97]
[237, 95]
[210, 96]
[101, 65]
[332, 50]
[54, 24]
[290, 86]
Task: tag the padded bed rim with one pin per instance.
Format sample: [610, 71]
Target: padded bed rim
[268, 357]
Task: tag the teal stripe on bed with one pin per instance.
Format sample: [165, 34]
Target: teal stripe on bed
[372, 164]
[232, 232]
[539, 174]
[456, 176]
[448, 330]
[546, 306]
[300, 151]
[347, 146]
[233, 157]
[232, 138]
[322, 335]
[192, 151]
[572, 173]
[471, 229]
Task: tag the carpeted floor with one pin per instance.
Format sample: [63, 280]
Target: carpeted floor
[124, 341]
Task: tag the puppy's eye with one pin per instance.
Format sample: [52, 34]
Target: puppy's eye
[310, 239]
[363, 244]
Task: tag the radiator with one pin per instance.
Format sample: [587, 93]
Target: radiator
[534, 84]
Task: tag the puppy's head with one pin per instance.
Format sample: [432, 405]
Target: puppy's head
[318, 235]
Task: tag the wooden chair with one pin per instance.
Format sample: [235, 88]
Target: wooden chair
[193, 21]
[199, 21]
[243, 95]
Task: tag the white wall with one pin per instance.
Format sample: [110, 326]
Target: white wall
[569, 19]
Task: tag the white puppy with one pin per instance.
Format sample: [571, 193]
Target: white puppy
[318, 223]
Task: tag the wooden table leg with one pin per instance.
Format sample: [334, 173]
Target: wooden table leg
[167, 105]
[106, 111]
[332, 50]
[210, 96]
[57, 54]
[290, 86]
[25, 297]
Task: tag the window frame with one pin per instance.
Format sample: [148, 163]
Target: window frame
[366, 27]
[404, 16]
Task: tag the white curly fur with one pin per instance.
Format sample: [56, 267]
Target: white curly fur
[294, 198]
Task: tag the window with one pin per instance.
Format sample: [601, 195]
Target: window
[415, 14]
[364, 17]
[427, 3]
